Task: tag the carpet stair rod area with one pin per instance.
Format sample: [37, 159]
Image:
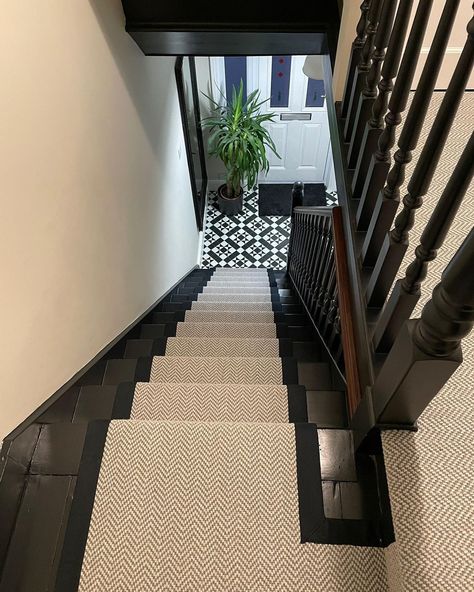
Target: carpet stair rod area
[215, 455]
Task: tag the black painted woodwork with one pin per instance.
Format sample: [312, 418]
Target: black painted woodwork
[186, 82]
[428, 350]
[206, 28]
[388, 200]
[356, 49]
[407, 291]
[396, 242]
[380, 163]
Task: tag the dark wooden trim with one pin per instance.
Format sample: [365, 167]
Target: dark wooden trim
[198, 199]
[315, 327]
[200, 137]
[366, 371]
[53, 398]
[351, 363]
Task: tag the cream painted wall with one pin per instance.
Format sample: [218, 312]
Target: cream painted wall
[97, 220]
[350, 17]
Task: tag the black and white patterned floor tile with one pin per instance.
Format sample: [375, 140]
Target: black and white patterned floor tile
[246, 240]
[331, 198]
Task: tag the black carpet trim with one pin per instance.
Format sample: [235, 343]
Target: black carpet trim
[70, 565]
[314, 526]
[285, 347]
[159, 346]
[143, 369]
[123, 400]
[297, 406]
[310, 493]
[289, 368]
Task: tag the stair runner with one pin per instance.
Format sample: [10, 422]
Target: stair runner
[206, 486]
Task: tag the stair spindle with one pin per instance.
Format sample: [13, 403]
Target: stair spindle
[356, 50]
[369, 93]
[428, 350]
[389, 71]
[388, 200]
[363, 67]
[396, 242]
[407, 292]
[380, 162]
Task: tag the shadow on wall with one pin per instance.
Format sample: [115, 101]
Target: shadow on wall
[139, 75]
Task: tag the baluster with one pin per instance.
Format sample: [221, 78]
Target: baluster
[356, 49]
[318, 236]
[332, 316]
[328, 303]
[428, 350]
[369, 93]
[380, 162]
[387, 201]
[335, 337]
[396, 242]
[389, 71]
[363, 67]
[309, 251]
[407, 292]
[320, 264]
[297, 245]
[329, 264]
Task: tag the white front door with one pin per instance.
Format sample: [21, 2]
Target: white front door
[300, 128]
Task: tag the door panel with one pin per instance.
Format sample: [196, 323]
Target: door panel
[310, 142]
[279, 134]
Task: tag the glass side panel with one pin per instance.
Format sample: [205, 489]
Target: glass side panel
[235, 71]
[315, 94]
[280, 86]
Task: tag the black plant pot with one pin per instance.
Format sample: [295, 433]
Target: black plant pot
[230, 207]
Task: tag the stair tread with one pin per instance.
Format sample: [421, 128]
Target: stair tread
[238, 370]
[247, 475]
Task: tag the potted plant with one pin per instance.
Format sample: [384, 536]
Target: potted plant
[239, 139]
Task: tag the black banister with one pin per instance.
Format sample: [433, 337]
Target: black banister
[380, 164]
[369, 93]
[389, 71]
[396, 243]
[388, 200]
[407, 292]
[318, 269]
[363, 67]
[356, 50]
[428, 350]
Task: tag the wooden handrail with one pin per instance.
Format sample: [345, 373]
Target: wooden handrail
[351, 365]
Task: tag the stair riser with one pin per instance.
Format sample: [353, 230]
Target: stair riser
[302, 351]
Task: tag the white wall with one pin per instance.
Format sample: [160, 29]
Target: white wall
[97, 220]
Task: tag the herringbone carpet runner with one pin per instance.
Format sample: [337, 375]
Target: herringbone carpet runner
[208, 487]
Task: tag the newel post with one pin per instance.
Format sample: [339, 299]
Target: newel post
[428, 350]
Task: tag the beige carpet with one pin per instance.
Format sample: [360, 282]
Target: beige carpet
[210, 402]
[210, 507]
[431, 472]
[233, 306]
[188, 329]
[234, 297]
[230, 370]
[228, 316]
[221, 346]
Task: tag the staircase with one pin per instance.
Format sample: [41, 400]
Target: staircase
[209, 475]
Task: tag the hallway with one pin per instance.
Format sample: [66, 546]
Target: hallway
[247, 240]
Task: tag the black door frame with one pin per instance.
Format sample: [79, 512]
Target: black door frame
[199, 193]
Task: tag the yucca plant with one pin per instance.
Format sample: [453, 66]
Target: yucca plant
[239, 139]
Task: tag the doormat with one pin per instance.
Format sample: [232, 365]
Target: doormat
[275, 199]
